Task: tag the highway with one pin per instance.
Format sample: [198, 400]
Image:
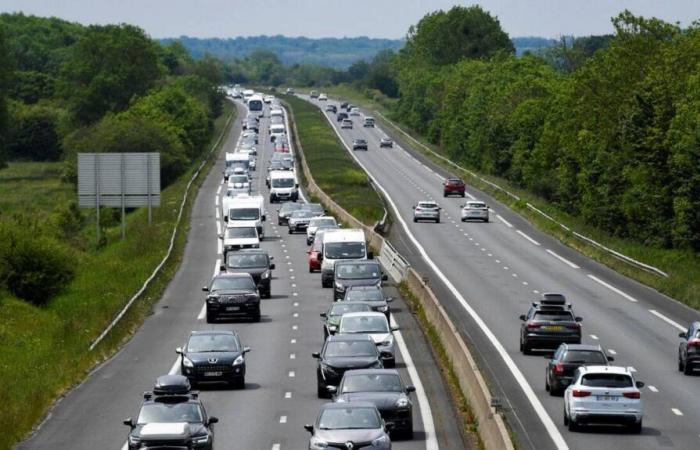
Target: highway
[487, 274]
[280, 393]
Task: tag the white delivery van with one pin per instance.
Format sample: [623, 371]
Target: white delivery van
[245, 209]
[256, 105]
[234, 160]
[283, 186]
[239, 236]
[277, 130]
[339, 245]
[276, 112]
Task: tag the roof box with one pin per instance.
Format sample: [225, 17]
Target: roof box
[171, 385]
[552, 299]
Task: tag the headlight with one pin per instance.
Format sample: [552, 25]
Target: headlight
[265, 275]
[213, 299]
[239, 360]
[186, 362]
[339, 286]
[133, 440]
[402, 402]
[382, 442]
[388, 341]
[317, 443]
[200, 439]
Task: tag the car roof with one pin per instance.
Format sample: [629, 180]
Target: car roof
[427, 202]
[212, 332]
[351, 405]
[583, 347]
[354, 302]
[618, 370]
[471, 202]
[365, 314]
[355, 262]
[350, 337]
[373, 372]
[231, 275]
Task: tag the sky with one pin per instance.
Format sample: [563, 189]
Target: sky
[338, 18]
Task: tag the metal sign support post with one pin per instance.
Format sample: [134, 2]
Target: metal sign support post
[97, 196]
[123, 176]
[148, 177]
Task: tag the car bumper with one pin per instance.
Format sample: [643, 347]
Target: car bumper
[241, 310]
[214, 374]
[607, 417]
[401, 418]
[454, 192]
[475, 216]
[299, 226]
[426, 216]
[551, 341]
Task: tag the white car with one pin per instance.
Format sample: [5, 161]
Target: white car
[426, 210]
[322, 97]
[355, 111]
[268, 99]
[475, 210]
[346, 123]
[319, 222]
[603, 394]
[240, 235]
[375, 325]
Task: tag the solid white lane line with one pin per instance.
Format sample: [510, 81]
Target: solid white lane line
[527, 237]
[216, 201]
[175, 369]
[612, 288]
[218, 214]
[612, 352]
[677, 411]
[667, 320]
[508, 224]
[653, 388]
[594, 337]
[564, 260]
[218, 190]
[283, 419]
[219, 244]
[203, 312]
[218, 232]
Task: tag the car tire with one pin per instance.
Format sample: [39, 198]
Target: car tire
[680, 364]
[239, 383]
[636, 428]
[415, 220]
[321, 391]
[486, 220]
[437, 220]
[325, 284]
[268, 294]
[290, 231]
[390, 363]
[546, 385]
[444, 195]
[279, 222]
[256, 317]
[573, 426]
[566, 418]
[407, 434]
[687, 369]
[311, 270]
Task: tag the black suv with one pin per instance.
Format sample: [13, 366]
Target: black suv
[355, 273]
[341, 353]
[232, 295]
[171, 416]
[372, 295]
[549, 323]
[341, 116]
[214, 356]
[359, 144]
[256, 262]
[689, 349]
[569, 357]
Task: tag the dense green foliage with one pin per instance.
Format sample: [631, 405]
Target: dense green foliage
[5, 66]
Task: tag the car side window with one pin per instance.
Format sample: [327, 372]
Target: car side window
[559, 353]
[531, 313]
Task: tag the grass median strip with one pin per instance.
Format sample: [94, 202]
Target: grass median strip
[45, 350]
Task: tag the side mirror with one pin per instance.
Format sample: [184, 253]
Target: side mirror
[410, 389]
[246, 349]
[611, 358]
[296, 185]
[263, 218]
[178, 350]
[323, 315]
[681, 335]
[331, 389]
[205, 288]
[308, 251]
[579, 319]
[212, 420]
[523, 317]
[385, 278]
[640, 384]
[222, 268]
[221, 236]
[272, 266]
[395, 328]
[129, 422]
[316, 355]
[309, 428]
[225, 220]
[413, 207]
[332, 329]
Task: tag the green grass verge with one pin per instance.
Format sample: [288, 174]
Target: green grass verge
[45, 350]
[334, 170]
[683, 267]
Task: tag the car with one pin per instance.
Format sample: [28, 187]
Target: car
[322, 97]
[604, 394]
[368, 122]
[454, 186]
[341, 116]
[367, 272]
[299, 220]
[426, 210]
[285, 210]
[355, 111]
[385, 389]
[313, 94]
[232, 295]
[319, 222]
[173, 413]
[377, 327]
[268, 99]
[689, 349]
[282, 145]
[341, 353]
[256, 262]
[314, 251]
[372, 295]
[359, 144]
[349, 106]
[237, 236]
[549, 323]
[386, 142]
[331, 318]
[343, 105]
[346, 124]
[290, 91]
[569, 357]
[315, 208]
[475, 210]
[349, 426]
[213, 356]
[331, 108]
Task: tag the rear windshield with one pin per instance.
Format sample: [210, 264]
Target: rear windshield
[372, 383]
[585, 357]
[241, 232]
[364, 324]
[427, 205]
[246, 260]
[555, 316]
[364, 295]
[607, 380]
[357, 271]
[476, 205]
[350, 348]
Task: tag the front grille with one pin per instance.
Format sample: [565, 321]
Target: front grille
[213, 368]
[232, 299]
[393, 414]
[357, 445]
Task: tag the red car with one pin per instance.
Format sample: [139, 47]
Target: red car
[282, 147]
[454, 186]
[314, 251]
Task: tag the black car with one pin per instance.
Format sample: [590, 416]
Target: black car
[359, 144]
[341, 116]
[372, 295]
[689, 349]
[344, 105]
[355, 273]
[214, 356]
[549, 323]
[569, 357]
[341, 353]
[232, 295]
[256, 262]
[385, 390]
[171, 416]
[331, 108]
[285, 210]
[331, 318]
[349, 426]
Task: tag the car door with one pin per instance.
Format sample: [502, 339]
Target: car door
[683, 348]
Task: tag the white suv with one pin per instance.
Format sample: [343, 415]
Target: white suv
[603, 394]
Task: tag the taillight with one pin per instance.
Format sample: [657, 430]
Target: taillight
[533, 326]
[574, 326]
[559, 369]
[580, 393]
[636, 394]
[695, 343]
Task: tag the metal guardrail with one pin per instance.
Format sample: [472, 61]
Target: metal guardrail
[394, 264]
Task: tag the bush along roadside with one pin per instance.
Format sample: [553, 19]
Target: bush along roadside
[45, 349]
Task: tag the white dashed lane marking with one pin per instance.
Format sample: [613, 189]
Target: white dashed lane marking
[562, 259]
[527, 237]
[612, 288]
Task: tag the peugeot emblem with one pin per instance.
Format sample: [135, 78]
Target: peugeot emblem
[213, 360]
[349, 445]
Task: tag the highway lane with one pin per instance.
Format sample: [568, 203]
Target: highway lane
[280, 394]
[501, 266]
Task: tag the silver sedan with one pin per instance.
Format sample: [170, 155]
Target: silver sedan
[426, 210]
[475, 210]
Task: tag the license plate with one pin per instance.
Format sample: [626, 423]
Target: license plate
[606, 398]
[212, 374]
[233, 308]
[552, 328]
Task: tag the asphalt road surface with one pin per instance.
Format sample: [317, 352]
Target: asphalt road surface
[280, 392]
[487, 274]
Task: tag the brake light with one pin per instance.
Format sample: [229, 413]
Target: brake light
[694, 343]
[574, 326]
[533, 326]
[636, 394]
[580, 393]
[559, 369]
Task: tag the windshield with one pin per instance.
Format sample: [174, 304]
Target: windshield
[170, 413]
[212, 343]
[255, 105]
[357, 271]
[349, 419]
[555, 316]
[232, 284]
[585, 357]
[239, 179]
[322, 223]
[340, 308]
[364, 295]
[303, 214]
[336, 349]
[476, 205]
[283, 182]
[607, 380]
[372, 383]
[245, 260]
[364, 324]
[289, 207]
[344, 250]
[241, 233]
[244, 214]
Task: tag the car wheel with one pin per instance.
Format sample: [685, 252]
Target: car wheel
[546, 385]
[256, 317]
[463, 194]
[437, 220]
[290, 231]
[311, 270]
[680, 364]
[573, 426]
[415, 220]
[390, 363]
[279, 222]
[486, 220]
[268, 294]
[239, 383]
[566, 418]
[444, 195]
[687, 369]
[636, 428]
[321, 391]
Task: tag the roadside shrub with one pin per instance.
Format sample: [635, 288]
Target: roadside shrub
[34, 135]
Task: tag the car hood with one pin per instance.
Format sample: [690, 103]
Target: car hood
[222, 358]
[343, 436]
[195, 429]
[359, 281]
[253, 271]
[350, 362]
[241, 241]
[382, 400]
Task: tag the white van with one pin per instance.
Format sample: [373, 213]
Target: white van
[277, 130]
[241, 160]
[256, 105]
[276, 112]
[283, 186]
[245, 209]
[339, 245]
